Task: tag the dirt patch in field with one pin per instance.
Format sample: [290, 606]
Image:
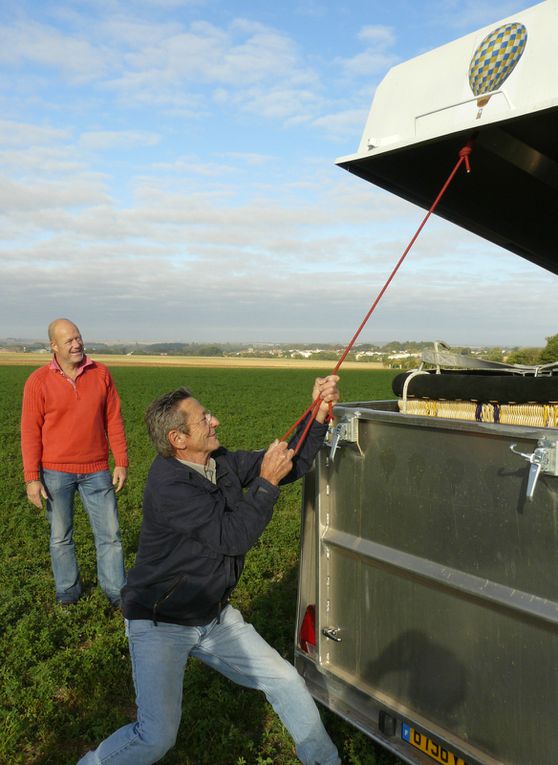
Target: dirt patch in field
[37, 359]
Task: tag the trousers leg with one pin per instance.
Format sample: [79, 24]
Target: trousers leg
[99, 499]
[235, 649]
[61, 488]
[159, 655]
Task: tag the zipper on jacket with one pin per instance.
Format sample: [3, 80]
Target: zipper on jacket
[165, 596]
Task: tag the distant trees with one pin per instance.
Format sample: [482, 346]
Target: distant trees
[533, 356]
[550, 352]
[181, 349]
[529, 356]
[326, 355]
[395, 353]
[494, 354]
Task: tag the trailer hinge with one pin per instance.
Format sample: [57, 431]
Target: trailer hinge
[345, 432]
[543, 460]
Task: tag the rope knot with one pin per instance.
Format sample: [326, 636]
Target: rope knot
[464, 154]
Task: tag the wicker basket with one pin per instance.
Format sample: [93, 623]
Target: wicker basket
[535, 415]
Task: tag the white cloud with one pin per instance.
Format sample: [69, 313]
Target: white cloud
[76, 59]
[311, 9]
[375, 58]
[380, 36]
[239, 56]
[247, 64]
[49, 161]
[472, 14]
[192, 166]
[114, 139]
[34, 197]
[13, 133]
[342, 123]
[250, 158]
[278, 102]
[241, 300]
[369, 63]
[169, 4]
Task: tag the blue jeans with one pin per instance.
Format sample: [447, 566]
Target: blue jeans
[232, 647]
[98, 497]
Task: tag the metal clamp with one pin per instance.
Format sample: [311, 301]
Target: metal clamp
[544, 459]
[331, 633]
[345, 432]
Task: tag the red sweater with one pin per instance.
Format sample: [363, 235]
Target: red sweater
[65, 424]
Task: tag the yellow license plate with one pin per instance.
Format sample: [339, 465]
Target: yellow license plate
[429, 747]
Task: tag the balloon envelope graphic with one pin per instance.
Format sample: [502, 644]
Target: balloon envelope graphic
[495, 59]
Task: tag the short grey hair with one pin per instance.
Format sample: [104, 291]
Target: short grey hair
[162, 416]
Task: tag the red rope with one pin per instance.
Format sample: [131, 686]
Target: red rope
[464, 154]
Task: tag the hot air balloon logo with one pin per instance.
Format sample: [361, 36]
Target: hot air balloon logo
[495, 59]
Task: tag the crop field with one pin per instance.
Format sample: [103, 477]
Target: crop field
[65, 679]
[229, 362]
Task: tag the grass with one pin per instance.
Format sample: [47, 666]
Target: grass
[65, 680]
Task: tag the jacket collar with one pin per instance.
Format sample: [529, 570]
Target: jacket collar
[222, 469]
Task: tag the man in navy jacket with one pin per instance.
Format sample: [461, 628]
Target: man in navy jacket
[204, 508]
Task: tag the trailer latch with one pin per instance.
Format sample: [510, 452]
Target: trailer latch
[345, 432]
[331, 633]
[544, 459]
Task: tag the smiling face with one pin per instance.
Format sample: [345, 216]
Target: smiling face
[201, 437]
[67, 344]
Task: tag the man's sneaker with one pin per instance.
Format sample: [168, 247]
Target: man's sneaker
[66, 603]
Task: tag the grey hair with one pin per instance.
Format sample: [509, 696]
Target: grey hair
[162, 416]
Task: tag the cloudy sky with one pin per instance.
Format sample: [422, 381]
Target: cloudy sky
[168, 173]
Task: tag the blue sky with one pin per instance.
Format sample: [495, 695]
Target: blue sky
[168, 173]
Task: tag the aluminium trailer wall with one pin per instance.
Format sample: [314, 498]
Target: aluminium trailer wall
[436, 580]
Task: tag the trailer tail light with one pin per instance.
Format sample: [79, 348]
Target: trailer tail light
[307, 636]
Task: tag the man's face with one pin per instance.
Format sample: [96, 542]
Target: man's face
[67, 343]
[201, 440]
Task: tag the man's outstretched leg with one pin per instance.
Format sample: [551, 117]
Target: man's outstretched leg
[235, 649]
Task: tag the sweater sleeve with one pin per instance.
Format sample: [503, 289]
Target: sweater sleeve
[32, 419]
[115, 425]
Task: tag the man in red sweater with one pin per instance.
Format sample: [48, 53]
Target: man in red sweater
[70, 415]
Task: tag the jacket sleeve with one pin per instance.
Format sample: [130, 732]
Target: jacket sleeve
[115, 425]
[311, 446]
[197, 512]
[247, 464]
[32, 419]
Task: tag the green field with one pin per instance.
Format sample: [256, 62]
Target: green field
[65, 680]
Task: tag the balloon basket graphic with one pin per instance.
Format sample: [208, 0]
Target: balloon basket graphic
[481, 103]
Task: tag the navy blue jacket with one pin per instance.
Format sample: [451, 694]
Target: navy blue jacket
[195, 534]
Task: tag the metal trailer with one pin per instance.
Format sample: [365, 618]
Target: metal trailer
[428, 589]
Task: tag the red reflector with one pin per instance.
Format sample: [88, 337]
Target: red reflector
[308, 629]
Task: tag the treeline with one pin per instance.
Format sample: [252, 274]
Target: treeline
[534, 356]
[512, 355]
[324, 351]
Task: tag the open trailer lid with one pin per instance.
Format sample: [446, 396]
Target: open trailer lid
[498, 87]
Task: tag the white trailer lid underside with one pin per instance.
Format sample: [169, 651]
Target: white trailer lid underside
[424, 111]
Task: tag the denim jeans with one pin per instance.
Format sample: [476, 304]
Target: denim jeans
[98, 497]
[232, 647]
